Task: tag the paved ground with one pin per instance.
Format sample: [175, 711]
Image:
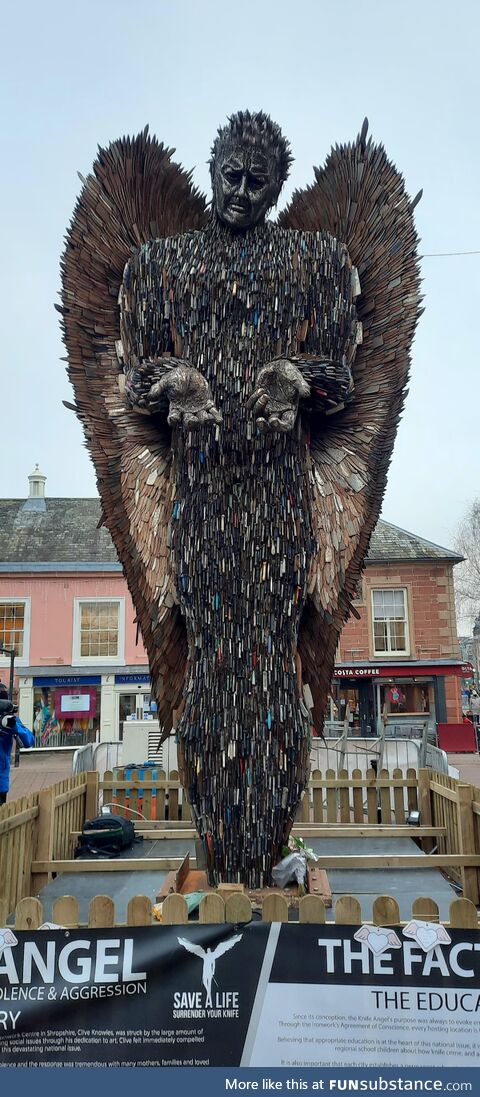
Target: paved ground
[38, 769]
[468, 766]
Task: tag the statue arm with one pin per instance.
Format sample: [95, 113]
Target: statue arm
[156, 381]
[320, 373]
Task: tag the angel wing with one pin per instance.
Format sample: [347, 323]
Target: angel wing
[190, 947]
[136, 192]
[225, 946]
[359, 197]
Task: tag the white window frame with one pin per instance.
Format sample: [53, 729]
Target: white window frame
[98, 660]
[391, 651]
[23, 660]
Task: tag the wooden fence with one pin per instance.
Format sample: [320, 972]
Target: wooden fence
[236, 909]
[332, 797]
[38, 833]
[39, 827]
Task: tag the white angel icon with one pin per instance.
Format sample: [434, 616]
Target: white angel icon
[209, 957]
[7, 939]
[427, 934]
[378, 938]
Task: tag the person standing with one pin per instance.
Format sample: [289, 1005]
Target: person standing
[10, 727]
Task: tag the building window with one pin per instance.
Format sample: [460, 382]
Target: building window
[99, 630]
[15, 628]
[390, 622]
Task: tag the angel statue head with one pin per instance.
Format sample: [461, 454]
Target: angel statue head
[249, 165]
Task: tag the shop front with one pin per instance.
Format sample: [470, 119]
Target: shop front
[404, 693]
[77, 708]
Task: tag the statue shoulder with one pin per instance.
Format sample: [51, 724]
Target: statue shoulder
[158, 251]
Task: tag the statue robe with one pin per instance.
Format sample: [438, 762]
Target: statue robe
[241, 524]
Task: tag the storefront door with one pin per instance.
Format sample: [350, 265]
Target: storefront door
[138, 705]
[127, 706]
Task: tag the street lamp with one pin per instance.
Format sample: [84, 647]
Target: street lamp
[11, 654]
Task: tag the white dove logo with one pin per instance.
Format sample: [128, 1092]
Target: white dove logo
[209, 957]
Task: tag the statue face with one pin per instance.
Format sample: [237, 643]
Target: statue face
[245, 188]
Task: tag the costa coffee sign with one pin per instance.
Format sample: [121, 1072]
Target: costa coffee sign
[357, 672]
[405, 670]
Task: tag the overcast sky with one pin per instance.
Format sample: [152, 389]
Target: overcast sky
[78, 75]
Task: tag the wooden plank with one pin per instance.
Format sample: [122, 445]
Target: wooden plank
[101, 912]
[372, 797]
[238, 908]
[385, 911]
[466, 835]
[425, 805]
[344, 796]
[333, 782]
[70, 794]
[45, 836]
[401, 860]
[66, 911]
[126, 864]
[134, 798]
[311, 909]
[174, 911]
[211, 909]
[18, 820]
[445, 793]
[357, 793]
[331, 787]
[348, 911]
[161, 785]
[372, 830]
[317, 883]
[317, 797]
[385, 808]
[174, 785]
[463, 914]
[274, 908]
[426, 909]
[412, 791]
[28, 914]
[147, 797]
[139, 911]
[327, 830]
[398, 801]
[168, 887]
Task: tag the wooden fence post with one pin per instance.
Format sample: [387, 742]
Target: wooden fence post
[91, 796]
[466, 840]
[424, 807]
[45, 832]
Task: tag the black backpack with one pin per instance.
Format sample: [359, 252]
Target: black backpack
[105, 836]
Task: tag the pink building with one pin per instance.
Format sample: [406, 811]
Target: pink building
[80, 667]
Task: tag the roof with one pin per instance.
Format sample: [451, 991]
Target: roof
[390, 543]
[62, 531]
[63, 534]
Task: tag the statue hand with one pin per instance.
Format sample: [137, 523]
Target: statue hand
[274, 403]
[189, 396]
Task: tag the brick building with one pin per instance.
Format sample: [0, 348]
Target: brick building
[401, 653]
[82, 669]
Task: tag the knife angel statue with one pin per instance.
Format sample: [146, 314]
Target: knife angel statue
[240, 383]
